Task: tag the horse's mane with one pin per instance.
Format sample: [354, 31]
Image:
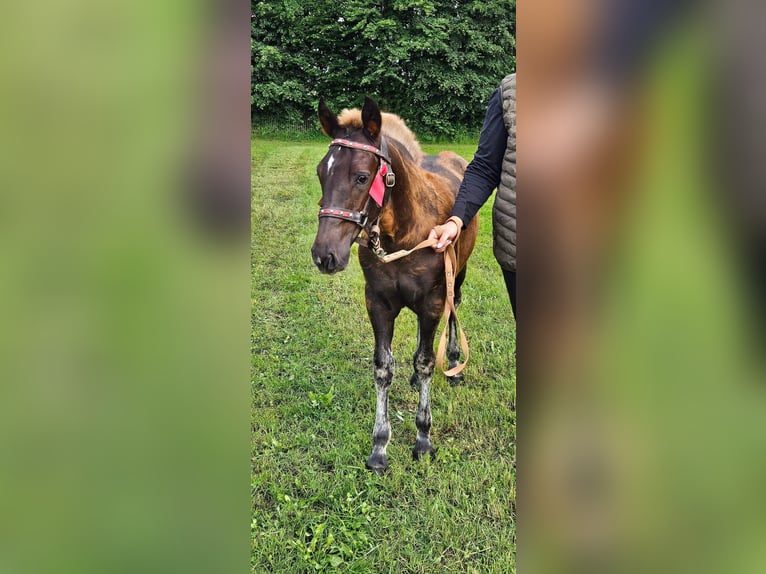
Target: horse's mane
[392, 125]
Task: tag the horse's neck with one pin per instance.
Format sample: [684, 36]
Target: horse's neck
[407, 217]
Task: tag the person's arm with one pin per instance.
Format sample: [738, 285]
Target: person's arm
[481, 176]
[483, 173]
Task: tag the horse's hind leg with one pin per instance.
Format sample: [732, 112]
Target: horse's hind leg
[423, 365]
[453, 343]
[382, 319]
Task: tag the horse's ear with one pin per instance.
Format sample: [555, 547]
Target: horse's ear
[371, 118]
[328, 119]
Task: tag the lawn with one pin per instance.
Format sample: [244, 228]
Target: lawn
[315, 506]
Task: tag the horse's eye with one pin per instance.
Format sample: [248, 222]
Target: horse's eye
[361, 179]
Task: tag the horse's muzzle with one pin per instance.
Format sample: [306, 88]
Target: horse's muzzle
[327, 261]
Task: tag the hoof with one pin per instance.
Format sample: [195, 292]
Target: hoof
[377, 464]
[455, 379]
[415, 382]
[423, 449]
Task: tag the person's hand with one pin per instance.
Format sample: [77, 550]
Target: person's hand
[445, 234]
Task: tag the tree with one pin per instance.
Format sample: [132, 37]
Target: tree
[433, 62]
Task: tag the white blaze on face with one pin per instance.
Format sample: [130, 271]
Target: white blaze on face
[330, 162]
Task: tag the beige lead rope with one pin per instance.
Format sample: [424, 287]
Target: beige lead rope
[450, 265]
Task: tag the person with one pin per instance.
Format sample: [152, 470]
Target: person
[493, 166]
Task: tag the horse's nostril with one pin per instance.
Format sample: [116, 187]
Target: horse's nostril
[330, 262]
[325, 259]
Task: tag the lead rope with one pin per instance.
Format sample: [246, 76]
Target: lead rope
[450, 264]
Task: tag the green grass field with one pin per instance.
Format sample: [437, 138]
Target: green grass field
[315, 506]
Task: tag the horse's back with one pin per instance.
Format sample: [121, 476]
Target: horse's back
[451, 166]
[448, 165]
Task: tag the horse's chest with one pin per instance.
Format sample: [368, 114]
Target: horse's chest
[410, 281]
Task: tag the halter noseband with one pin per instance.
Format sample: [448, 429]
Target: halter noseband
[361, 218]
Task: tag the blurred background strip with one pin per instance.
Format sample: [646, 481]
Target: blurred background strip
[641, 392]
[124, 289]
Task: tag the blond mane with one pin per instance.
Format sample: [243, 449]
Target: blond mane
[392, 125]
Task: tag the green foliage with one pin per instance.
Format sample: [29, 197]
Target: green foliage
[434, 62]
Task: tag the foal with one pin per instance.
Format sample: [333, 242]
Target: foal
[376, 178]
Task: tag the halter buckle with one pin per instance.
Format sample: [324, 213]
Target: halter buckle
[390, 179]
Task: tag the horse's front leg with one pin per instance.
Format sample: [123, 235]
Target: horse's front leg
[423, 365]
[382, 318]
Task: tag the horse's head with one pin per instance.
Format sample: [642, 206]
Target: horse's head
[347, 173]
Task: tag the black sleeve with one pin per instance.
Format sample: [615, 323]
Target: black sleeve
[483, 173]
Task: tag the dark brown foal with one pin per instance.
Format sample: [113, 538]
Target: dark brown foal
[359, 193]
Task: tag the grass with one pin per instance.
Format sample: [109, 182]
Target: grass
[315, 507]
